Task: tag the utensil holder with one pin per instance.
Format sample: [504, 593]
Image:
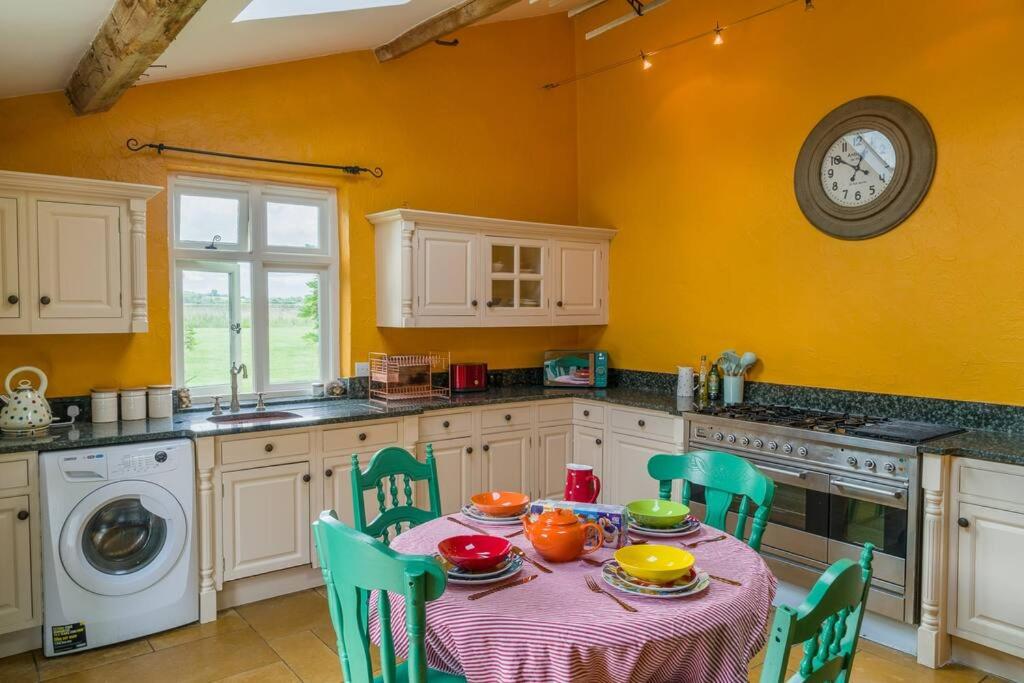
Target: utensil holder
[732, 389]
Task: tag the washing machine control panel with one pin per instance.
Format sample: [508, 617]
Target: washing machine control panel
[98, 465]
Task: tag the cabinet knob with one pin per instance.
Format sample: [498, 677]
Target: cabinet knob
[586, 413]
[558, 303]
[469, 450]
[641, 423]
[598, 441]
[963, 522]
[45, 300]
[269, 448]
[306, 478]
[329, 473]
[486, 447]
[12, 299]
[490, 304]
[474, 302]
[362, 436]
[23, 515]
[508, 418]
[446, 424]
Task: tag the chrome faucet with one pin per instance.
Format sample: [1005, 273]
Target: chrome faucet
[235, 371]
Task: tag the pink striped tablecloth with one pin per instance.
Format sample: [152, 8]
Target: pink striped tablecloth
[555, 629]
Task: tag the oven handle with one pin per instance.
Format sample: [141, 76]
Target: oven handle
[889, 497]
[813, 481]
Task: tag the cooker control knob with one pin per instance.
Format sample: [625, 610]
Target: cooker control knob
[773, 446]
[851, 461]
[160, 456]
[870, 464]
[745, 441]
[890, 467]
[719, 436]
[802, 451]
[731, 438]
[787, 448]
[758, 443]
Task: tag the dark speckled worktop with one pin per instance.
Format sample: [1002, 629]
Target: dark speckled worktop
[194, 425]
[981, 445]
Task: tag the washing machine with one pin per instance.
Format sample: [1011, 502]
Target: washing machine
[119, 549]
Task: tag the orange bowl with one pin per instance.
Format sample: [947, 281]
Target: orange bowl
[501, 503]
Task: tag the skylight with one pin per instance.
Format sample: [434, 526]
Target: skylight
[275, 9]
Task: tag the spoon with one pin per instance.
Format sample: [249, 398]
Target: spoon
[748, 359]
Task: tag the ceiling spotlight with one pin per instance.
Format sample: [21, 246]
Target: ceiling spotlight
[808, 5]
[718, 35]
[645, 61]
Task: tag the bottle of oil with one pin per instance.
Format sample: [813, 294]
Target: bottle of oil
[714, 383]
[702, 390]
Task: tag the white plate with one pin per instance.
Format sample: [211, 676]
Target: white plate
[510, 571]
[617, 573]
[703, 581]
[477, 516]
[663, 533]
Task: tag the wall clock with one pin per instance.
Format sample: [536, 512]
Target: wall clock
[865, 167]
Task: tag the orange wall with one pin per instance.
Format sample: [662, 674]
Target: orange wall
[693, 162]
[465, 130]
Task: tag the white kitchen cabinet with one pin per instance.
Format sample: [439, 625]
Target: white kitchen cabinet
[458, 472]
[15, 564]
[266, 518]
[505, 462]
[448, 270]
[626, 475]
[72, 255]
[554, 452]
[588, 449]
[579, 281]
[338, 488]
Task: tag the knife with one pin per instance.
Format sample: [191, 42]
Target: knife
[510, 584]
[469, 526]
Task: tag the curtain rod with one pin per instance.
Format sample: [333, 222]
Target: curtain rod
[135, 146]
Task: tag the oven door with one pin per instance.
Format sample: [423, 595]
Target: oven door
[862, 512]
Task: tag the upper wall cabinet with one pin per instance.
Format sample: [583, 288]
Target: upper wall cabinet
[449, 270]
[72, 255]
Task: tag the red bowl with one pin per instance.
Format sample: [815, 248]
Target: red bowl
[475, 553]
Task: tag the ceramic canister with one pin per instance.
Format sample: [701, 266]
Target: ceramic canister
[104, 405]
[133, 403]
[159, 396]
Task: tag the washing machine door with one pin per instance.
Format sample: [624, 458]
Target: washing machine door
[123, 537]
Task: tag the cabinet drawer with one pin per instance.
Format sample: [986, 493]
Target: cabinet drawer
[495, 418]
[357, 438]
[588, 413]
[266, 445]
[554, 413]
[993, 485]
[649, 424]
[13, 474]
[445, 426]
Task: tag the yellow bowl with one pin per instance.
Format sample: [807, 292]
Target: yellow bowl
[657, 563]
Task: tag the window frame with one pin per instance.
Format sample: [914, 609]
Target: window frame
[262, 259]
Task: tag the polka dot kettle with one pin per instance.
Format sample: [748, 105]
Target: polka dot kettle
[27, 410]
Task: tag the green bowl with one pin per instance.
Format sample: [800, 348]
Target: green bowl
[657, 514]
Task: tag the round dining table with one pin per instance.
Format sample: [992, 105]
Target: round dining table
[557, 629]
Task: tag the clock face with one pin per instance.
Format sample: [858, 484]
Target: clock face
[858, 167]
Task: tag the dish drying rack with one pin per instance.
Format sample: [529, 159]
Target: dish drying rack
[408, 377]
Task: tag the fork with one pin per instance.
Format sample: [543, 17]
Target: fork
[705, 540]
[468, 526]
[592, 585]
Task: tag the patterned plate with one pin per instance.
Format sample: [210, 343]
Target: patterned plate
[678, 586]
[514, 566]
[459, 573]
[470, 511]
[690, 526]
[703, 581]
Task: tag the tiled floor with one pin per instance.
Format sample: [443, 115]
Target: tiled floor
[290, 639]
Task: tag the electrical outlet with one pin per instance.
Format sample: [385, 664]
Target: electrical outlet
[362, 369]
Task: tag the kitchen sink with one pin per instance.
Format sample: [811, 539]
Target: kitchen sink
[267, 416]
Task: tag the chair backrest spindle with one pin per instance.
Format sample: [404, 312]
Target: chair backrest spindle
[382, 476]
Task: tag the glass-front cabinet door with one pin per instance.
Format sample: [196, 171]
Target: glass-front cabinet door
[516, 273]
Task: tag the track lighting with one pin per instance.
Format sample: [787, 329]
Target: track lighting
[645, 61]
[718, 35]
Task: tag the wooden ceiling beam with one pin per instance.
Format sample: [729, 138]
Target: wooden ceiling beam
[440, 25]
[133, 36]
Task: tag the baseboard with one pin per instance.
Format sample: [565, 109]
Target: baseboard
[21, 641]
[255, 588]
[988, 660]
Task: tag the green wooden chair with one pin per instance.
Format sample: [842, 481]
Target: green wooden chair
[386, 466]
[827, 623]
[723, 477]
[354, 565]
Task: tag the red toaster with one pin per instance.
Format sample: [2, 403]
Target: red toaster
[468, 376]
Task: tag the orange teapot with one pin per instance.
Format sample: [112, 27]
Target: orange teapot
[559, 536]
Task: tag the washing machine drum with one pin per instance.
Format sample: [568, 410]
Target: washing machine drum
[123, 538]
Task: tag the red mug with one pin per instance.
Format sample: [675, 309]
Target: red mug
[581, 486]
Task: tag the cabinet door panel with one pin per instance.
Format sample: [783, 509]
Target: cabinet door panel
[9, 271]
[79, 258]
[338, 488]
[578, 278]
[505, 462]
[458, 473]
[266, 519]
[990, 554]
[15, 565]
[627, 468]
[446, 273]
[554, 453]
[588, 449]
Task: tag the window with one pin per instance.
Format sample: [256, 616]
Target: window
[255, 273]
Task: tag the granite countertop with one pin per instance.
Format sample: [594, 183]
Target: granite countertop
[193, 424]
[1002, 447]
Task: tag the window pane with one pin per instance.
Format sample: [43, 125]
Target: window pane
[294, 318]
[293, 225]
[200, 218]
[216, 324]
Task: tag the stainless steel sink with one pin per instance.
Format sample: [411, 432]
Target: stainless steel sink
[268, 416]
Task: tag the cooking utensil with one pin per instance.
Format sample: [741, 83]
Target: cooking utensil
[467, 525]
[592, 585]
[748, 359]
[694, 544]
[518, 582]
[522, 553]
